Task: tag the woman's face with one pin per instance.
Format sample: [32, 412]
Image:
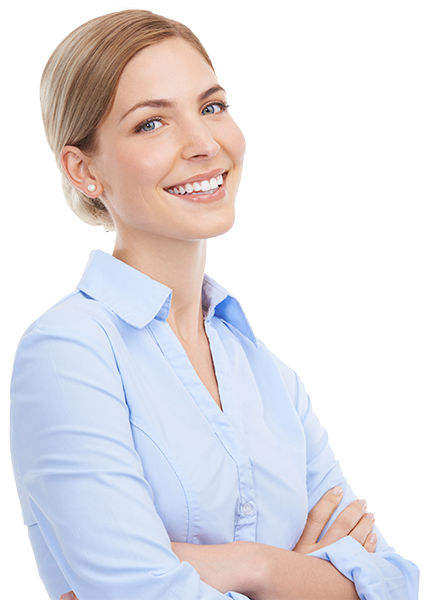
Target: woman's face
[167, 136]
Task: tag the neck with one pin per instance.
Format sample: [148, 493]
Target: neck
[180, 266]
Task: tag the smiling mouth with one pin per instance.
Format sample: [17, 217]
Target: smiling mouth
[207, 186]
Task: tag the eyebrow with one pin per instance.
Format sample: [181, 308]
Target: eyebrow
[161, 103]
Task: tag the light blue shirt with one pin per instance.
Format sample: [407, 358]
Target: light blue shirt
[118, 447]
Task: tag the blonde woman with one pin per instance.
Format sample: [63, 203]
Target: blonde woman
[160, 450]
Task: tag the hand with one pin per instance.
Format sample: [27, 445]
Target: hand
[353, 521]
[68, 596]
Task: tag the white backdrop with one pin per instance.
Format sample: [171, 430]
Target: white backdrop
[367, 66]
[364, 360]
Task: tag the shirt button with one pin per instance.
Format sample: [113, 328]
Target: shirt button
[248, 509]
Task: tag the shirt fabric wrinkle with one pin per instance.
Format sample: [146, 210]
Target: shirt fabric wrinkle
[102, 385]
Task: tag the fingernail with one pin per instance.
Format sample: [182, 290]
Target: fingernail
[370, 516]
[363, 503]
[337, 491]
[68, 596]
[373, 538]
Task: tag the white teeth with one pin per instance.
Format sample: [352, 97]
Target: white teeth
[197, 186]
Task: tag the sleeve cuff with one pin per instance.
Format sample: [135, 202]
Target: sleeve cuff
[382, 575]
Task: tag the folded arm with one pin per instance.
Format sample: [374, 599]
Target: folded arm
[265, 572]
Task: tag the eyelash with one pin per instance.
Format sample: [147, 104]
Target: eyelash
[146, 122]
[140, 126]
[222, 105]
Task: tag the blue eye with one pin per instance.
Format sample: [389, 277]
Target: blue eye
[149, 125]
[216, 107]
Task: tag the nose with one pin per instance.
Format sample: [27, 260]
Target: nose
[198, 142]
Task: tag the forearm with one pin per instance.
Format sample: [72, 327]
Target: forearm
[287, 575]
[265, 572]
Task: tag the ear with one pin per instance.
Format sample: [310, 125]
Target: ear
[76, 166]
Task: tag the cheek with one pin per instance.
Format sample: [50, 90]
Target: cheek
[237, 144]
[133, 165]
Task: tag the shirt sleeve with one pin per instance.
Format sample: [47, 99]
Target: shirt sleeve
[93, 524]
[383, 575]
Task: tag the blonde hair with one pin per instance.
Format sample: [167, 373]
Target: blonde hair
[79, 83]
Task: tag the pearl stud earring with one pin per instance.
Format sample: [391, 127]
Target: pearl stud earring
[91, 187]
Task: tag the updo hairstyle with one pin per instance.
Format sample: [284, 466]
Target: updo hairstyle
[79, 83]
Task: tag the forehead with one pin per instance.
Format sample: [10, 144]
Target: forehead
[164, 70]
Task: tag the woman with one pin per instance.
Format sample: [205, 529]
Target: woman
[160, 450]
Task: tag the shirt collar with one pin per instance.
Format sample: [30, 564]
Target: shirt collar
[131, 295]
[217, 301]
[137, 299]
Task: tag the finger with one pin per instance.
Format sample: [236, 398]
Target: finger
[68, 596]
[345, 522]
[363, 528]
[371, 542]
[319, 515]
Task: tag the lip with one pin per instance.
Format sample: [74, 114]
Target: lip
[200, 177]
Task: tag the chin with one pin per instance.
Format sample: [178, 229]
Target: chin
[215, 227]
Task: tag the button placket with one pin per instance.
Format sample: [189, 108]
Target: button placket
[246, 517]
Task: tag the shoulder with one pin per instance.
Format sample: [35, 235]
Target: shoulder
[76, 313]
[64, 355]
[74, 326]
